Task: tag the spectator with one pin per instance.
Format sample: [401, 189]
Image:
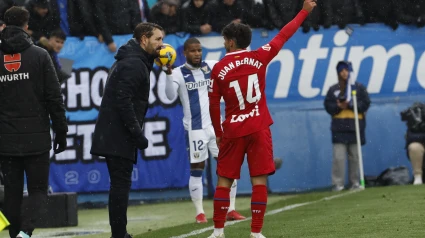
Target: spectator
[196, 14]
[255, 14]
[144, 10]
[2, 25]
[339, 105]
[322, 15]
[54, 45]
[410, 12]
[415, 143]
[380, 11]
[166, 13]
[80, 18]
[43, 19]
[346, 11]
[4, 5]
[281, 12]
[116, 17]
[415, 139]
[225, 12]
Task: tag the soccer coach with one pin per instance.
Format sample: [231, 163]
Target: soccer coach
[118, 131]
[29, 98]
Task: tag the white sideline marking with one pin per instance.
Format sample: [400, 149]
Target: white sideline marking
[285, 208]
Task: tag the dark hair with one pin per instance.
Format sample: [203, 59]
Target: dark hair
[16, 16]
[145, 29]
[190, 41]
[58, 33]
[238, 32]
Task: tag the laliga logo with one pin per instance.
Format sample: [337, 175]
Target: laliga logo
[12, 63]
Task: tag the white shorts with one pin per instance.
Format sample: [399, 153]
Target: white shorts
[200, 142]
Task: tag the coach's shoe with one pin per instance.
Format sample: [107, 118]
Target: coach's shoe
[214, 236]
[200, 218]
[256, 235]
[234, 215]
[22, 235]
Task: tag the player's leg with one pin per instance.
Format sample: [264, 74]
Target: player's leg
[232, 214]
[198, 151]
[229, 162]
[261, 165]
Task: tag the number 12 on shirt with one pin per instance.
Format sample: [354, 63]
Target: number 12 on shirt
[252, 84]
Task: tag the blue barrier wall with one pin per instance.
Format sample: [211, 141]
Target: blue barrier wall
[391, 65]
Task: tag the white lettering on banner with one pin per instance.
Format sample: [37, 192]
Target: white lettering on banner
[79, 141]
[97, 85]
[287, 64]
[156, 130]
[309, 58]
[240, 118]
[78, 90]
[338, 54]
[380, 61]
[157, 94]
[420, 74]
[84, 90]
[310, 55]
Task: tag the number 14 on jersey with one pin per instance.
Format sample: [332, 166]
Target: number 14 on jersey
[252, 85]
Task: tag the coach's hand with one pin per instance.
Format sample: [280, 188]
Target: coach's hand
[59, 143]
[141, 142]
[309, 5]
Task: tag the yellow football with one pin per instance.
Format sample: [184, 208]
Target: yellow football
[167, 55]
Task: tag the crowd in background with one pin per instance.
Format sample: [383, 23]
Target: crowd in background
[104, 18]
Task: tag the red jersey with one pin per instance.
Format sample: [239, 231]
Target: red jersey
[240, 78]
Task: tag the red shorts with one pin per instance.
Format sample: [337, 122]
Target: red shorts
[259, 148]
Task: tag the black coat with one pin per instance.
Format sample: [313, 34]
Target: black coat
[29, 94]
[124, 103]
[42, 26]
[116, 17]
[224, 14]
[342, 125]
[170, 24]
[193, 18]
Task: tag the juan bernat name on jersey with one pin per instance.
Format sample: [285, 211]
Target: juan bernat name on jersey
[237, 63]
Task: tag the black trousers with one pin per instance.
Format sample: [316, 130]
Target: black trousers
[120, 170]
[36, 168]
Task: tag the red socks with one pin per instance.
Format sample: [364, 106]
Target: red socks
[221, 205]
[258, 207]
